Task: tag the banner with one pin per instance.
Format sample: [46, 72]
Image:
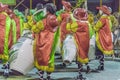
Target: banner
[8, 2]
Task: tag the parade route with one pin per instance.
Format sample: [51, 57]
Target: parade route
[111, 72]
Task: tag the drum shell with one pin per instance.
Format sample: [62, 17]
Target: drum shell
[25, 59]
[69, 49]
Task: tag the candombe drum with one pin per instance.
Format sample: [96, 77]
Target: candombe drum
[91, 53]
[69, 49]
[22, 61]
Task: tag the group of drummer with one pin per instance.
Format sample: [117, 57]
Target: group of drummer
[49, 25]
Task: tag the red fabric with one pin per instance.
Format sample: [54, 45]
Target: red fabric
[105, 37]
[80, 14]
[44, 41]
[2, 32]
[105, 9]
[82, 39]
[67, 5]
[63, 30]
[3, 7]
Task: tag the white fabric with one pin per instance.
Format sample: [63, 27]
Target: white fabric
[91, 53]
[24, 60]
[112, 37]
[58, 47]
[69, 49]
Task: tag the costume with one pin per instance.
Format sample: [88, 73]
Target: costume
[66, 39]
[5, 33]
[62, 18]
[80, 29]
[103, 36]
[45, 42]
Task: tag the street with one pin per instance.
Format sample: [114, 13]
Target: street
[111, 72]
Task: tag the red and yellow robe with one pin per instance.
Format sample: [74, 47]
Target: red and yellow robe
[43, 46]
[5, 36]
[62, 18]
[103, 35]
[81, 35]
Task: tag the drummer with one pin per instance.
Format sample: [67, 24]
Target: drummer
[63, 17]
[44, 42]
[103, 30]
[80, 30]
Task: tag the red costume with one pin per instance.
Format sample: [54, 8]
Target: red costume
[103, 32]
[43, 44]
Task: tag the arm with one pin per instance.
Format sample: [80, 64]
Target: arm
[98, 25]
[72, 26]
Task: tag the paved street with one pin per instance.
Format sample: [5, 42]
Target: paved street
[111, 72]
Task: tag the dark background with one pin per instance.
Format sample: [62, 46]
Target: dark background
[114, 4]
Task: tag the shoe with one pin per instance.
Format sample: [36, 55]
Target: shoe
[88, 70]
[48, 78]
[101, 67]
[80, 78]
[61, 65]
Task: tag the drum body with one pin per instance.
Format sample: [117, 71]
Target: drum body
[58, 50]
[91, 53]
[23, 60]
[69, 49]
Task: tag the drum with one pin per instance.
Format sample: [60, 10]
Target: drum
[91, 53]
[23, 60]
[69, 49]
[58, 50]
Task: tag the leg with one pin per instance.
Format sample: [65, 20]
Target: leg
[100, 56]
[6, 69]
[88, 68]
[40, 73]
[80, 76]
[101, 59]
[48, 75]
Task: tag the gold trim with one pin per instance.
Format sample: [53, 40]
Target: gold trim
[83, 61]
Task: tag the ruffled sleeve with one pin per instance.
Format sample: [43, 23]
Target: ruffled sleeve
[38, 27]
[72, 26]
[98, 25]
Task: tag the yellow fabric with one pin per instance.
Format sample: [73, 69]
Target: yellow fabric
[114, 22]
[68, 26]
[38, 27]
[100, 47]
[29, 24]
[83, 61]
[91, 19]
[59, 18]
[44, 68]
[98, 26]
[4, 57]
[26, 26]
[74, 26]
